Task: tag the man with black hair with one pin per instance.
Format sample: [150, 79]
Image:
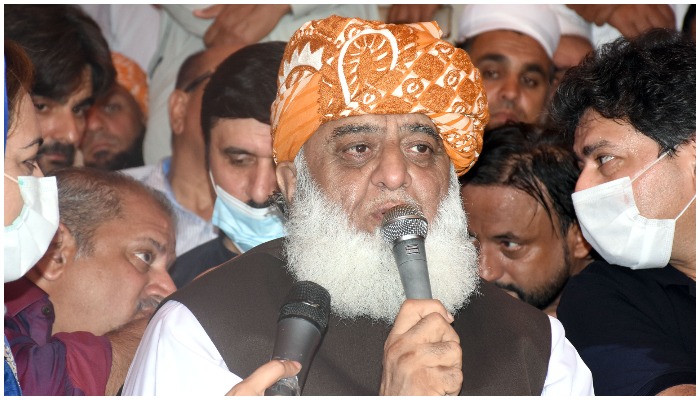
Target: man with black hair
[239, 156]
[73, 66]
[630, 112]
[518, 203]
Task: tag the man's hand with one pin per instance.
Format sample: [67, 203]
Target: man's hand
[409, 13]
[264, 377]
[630, 19]
[422, 355]
[241, 24]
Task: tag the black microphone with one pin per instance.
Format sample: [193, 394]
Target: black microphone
[404, 227]
[300, 327]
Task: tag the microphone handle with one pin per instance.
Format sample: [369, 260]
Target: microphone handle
[285, 387]
[413, 267]
[297, 339]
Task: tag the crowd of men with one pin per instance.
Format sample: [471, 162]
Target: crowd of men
[200, 165]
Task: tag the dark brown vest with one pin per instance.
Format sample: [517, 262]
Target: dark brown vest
[505, 342]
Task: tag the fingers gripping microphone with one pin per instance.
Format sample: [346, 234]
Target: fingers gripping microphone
[404, 227]
[301, 324]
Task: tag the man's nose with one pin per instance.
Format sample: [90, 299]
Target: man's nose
[71, 130]
[392, 171]
[585, 181]
[93, 120]
[160, 284]
[510, 89]
[265, 182]
[489, 269]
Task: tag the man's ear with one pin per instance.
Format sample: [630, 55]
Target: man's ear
[686, 156]
[578, 246]
[177, 110]
[286, 178]
[61, 253]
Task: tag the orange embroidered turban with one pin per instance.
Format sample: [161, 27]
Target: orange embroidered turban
[339, 67]
[133, 79]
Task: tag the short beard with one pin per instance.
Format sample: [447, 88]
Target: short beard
[358, 269]
[545, 294]
[129, 158]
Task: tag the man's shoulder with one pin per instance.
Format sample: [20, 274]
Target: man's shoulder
[21, 295]
[139, 173]
[601, 274]
[202, 258]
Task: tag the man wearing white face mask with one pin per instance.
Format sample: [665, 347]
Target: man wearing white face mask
[632, 316]
[235, 121]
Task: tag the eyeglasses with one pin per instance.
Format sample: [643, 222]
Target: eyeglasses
[197, 81]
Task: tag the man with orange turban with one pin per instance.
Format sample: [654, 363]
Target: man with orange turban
[116, 122]
[368, 116]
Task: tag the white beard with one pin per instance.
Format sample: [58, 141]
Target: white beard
[358, 269]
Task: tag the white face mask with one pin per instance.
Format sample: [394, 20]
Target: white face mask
[611, 223]
[246, 226]
[30, 234]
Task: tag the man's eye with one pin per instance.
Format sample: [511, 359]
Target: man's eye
[421, 148]
[112, 108]
[31, 166]
[490, 73]
[510, 246]
[359, 148]
[530, 82]
[80, 110]
[145, 256]
[241, 160]
[603, 159]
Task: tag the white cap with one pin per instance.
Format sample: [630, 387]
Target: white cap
[570, 23]
[535, 20]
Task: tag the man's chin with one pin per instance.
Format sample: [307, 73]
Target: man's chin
[50, 163]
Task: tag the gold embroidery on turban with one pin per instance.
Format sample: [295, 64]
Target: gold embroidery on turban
[339, 67]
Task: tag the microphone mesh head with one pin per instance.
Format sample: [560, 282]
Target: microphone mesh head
[403, 220]
[310, 301]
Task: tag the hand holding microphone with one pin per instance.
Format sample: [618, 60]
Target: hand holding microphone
[422, 355]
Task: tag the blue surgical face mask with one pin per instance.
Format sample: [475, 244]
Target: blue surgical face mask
[246, 226]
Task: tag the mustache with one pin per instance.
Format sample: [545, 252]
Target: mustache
[255, 204]
[148, 305]
[67, 150]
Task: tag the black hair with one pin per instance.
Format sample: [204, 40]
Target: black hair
[648, 82]
[244, 85]
[689, 22]
[61, 40]
[523, 157]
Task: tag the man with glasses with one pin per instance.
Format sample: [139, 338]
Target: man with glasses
[183, 177]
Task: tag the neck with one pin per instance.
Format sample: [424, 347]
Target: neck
[683, 253]
[228, 243]
[190, 182]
